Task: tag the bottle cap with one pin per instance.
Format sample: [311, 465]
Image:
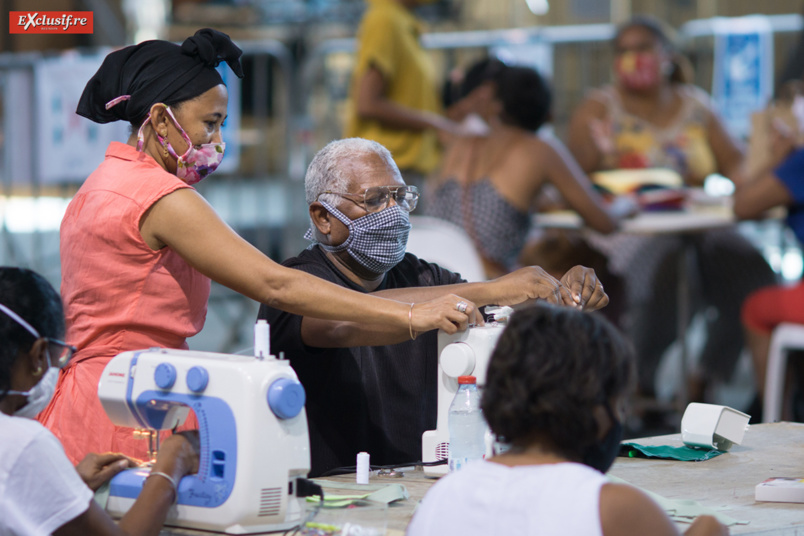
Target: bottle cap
[463, 380]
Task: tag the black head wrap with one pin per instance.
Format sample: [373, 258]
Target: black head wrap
[139, 76]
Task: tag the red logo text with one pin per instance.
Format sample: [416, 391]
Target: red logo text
[50, 22]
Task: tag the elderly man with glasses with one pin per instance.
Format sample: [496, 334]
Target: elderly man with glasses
[368, 389]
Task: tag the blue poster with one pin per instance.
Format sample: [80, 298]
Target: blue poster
[743, 70]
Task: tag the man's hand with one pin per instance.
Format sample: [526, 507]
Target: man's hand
[97, 469]
[530, 283]
[585, 288]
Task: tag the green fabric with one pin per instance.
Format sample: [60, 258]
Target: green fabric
[682, 510]
[385, 494]
[666, 452]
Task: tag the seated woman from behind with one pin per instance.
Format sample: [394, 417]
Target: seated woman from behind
[489, 185]
[554, 388]
[41, 492]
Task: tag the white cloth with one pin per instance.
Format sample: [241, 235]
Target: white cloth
[484, 498]
[39, 488]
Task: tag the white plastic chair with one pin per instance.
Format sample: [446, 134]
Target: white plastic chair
[447, 245]
[785, 337]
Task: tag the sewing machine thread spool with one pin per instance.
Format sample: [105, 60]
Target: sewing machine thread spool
[262, 339]
[362, 467]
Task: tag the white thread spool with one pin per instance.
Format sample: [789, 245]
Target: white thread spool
[262, 339]
[363, 468]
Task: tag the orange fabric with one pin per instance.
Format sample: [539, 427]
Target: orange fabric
[119, 295]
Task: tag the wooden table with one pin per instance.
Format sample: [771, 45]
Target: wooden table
[726, 481]
[400, 512]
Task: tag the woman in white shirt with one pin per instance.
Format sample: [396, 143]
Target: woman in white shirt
[554, 391]
[41, 492]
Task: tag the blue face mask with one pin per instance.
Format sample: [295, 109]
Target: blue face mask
[376, 241]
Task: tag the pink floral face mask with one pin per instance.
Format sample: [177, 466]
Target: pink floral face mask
[197, 162]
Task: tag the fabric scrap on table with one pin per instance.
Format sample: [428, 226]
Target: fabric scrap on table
[666, 452]
[385, 494]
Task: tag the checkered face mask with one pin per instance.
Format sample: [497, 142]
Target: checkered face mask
[377, 241]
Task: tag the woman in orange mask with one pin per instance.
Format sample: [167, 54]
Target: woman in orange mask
[652, 118]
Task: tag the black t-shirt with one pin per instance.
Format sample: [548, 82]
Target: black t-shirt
[376, 399]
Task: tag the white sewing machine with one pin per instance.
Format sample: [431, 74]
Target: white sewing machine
[460, 354]
[252, 426]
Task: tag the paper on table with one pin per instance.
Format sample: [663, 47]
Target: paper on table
[682, 510]
[385, 495]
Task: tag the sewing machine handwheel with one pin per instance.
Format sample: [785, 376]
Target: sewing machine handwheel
[165, 375]
[457, 359]
[286, 398]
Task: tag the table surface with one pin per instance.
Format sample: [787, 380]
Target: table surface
[726, 482]
[692, 220]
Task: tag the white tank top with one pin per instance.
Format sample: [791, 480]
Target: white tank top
[485, 498]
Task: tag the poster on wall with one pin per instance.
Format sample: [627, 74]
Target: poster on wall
[69, 147]
[743, 70]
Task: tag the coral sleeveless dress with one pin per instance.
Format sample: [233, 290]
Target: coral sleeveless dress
[119, 295]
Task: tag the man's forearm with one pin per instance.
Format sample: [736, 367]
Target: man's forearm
[318, 333]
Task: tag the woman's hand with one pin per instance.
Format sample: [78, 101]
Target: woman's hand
[178, 455]
[450, 313]
[707, 526]
[602, 135]
[97, 469]
[586, 289]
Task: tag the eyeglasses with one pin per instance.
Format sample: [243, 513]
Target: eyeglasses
[60, 349]
[377, 198]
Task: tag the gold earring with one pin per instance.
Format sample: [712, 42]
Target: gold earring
[164, 148]
[38, 371]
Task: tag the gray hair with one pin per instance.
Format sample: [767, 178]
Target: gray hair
[326, 172]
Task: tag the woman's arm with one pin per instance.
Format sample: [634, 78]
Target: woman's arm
[728, 154]
[529, 283]
[579, 287]
[586, 135]
[177, 457]
[567, 176]
[372, 103]
[186, 223]
[753, 198]
[626, 511]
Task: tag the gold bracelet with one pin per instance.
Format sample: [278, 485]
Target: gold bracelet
[169, 479]
[410, 323]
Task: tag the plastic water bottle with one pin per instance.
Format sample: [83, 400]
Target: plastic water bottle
[467, 428]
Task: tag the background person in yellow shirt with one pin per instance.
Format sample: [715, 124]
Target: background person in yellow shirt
[395, 98]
